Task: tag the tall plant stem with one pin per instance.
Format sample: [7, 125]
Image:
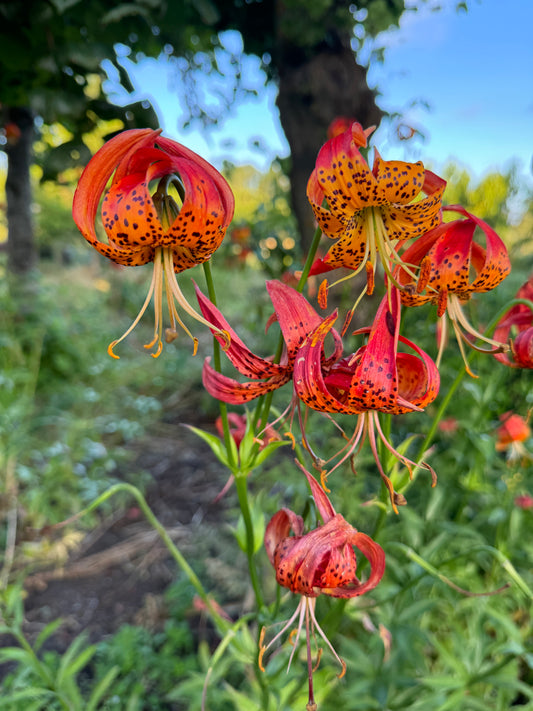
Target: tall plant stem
[241, 483]
[240, 477]
[218, 367]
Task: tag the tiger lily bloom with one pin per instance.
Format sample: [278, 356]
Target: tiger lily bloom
[296, 319]
[369, 212]
[452, 267]
[516, 327]
[376, 378]
[320, 562]
[144, 228]
[511, 435]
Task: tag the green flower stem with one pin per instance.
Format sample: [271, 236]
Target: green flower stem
[222, 624]
[218, 367]
[440, 412]
[241, 483]
[310, 259]
[460, 375]
[503, 311]
[240, 477]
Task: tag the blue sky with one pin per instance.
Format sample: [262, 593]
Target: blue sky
[474, 69]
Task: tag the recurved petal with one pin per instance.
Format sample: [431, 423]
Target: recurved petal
[406, 221]
[323, 504]
[129, 216]
[225, 193]
[350, 250]
[344, 176]
[398, 182]
[279, 528]
[497, 264]
[234, 393]
[450, 258]
[295, 315]
[522, 348]
[308, 377]
[375, 555]
[201, 222]
[375, 383]
[418, 379]
[246, 362]
[301, 562]
[330, 224]
[93, 182]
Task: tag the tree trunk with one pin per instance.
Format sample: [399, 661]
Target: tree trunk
[21, 248]
[315, 88]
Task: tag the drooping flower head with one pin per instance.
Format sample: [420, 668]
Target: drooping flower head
[516, 327]
[376, 378]
[453, 266]
[322, 561]
[369, 211]
[511, 435]
[143, 228]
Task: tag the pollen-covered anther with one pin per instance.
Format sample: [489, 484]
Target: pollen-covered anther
[399, 499]
[323, 294]
[442, 302]
[170, 335]
[369, 278]
[424, 274]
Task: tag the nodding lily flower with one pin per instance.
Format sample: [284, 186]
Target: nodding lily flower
[511, 435]
[144, 228]
[452, 267]
[296, 319]
[320, 562]
[369, 211]
[517, 328]
[376, 378]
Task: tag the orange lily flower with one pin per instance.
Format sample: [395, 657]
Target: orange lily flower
[141, 228]
[452, 267]
[376, 378]
[296, 318]
[320, 562]
[518, 322]
[512, 433]
[369, 211]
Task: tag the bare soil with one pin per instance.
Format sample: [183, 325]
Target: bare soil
[122, 568]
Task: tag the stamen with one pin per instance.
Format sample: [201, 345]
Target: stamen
[264, 648]
[369, 278]
[442, 302]
[311, 604]
[322, 296]
[457, 312]
[442, 339]
[424, 274]
[157, 268]
[373, 447]
[176, 292]
[323, 480]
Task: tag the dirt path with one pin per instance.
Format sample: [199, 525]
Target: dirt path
[122, 568]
